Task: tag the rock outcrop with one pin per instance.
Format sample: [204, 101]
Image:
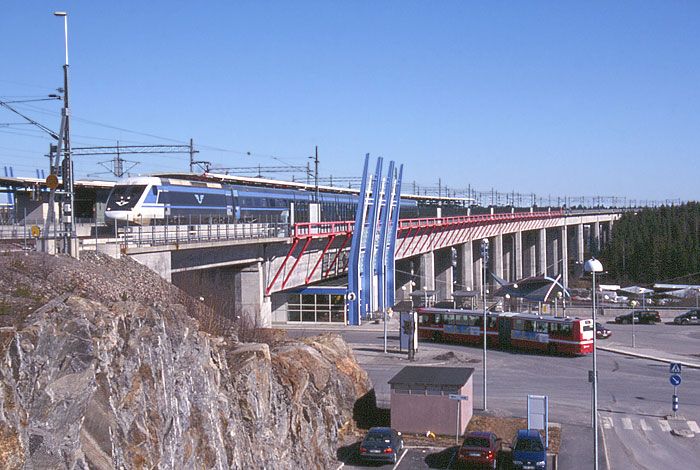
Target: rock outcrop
[90, 380]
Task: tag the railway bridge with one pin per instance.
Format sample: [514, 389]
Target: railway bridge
[271, 271]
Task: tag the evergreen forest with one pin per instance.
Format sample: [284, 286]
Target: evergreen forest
[656, 245]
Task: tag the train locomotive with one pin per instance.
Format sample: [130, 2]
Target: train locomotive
[152, 199]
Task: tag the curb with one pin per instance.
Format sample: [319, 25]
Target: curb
[646, 356]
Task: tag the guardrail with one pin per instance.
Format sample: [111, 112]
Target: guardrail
[158, 235]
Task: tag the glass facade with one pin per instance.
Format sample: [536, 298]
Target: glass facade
[316, 308]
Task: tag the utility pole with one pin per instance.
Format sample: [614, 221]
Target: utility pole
[191, 156]
[316, 176]
[68, 212]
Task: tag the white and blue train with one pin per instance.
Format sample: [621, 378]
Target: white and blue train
[151, 199]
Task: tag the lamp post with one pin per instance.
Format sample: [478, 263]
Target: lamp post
[594, 266]
[634, 304]
[556, 303]
[484, 264]
[68, 206]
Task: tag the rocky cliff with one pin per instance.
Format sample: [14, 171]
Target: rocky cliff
[102, 367]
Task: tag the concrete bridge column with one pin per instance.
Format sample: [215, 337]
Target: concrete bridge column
[564, 256]
[579, 243]
[466, 266]
[553, 261]
[497, 255]
[478, 264]
[427, 271]
[518, 254]
[542, 252]
[507, 258]
[444, 274]
[595, 246]
[249, 289]
[529, 254]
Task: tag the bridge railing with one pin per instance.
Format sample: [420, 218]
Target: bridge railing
[474, 219]
[154, 235]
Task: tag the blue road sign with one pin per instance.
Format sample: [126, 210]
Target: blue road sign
[674, 368]
[675, 380]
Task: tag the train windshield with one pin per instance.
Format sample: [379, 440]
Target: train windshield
[123, 198]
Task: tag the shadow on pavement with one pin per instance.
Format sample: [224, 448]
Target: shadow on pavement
[441, 459]
[367, 415]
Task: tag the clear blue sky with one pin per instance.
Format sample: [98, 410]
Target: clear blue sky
[567, 98]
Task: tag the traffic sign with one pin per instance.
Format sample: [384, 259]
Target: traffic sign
[674, 368]
[36, 231]
[52, 181]
[674, 403]
[675, 380]
[454, 396]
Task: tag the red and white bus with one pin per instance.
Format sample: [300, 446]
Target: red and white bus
[571, 336]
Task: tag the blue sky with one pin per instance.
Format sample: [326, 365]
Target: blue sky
[562, 98]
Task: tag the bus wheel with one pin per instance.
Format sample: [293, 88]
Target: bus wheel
[437, 337]
[551, 348]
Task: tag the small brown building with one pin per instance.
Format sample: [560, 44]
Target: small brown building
[420, 399]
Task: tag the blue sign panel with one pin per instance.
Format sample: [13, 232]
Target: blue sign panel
[675, 380]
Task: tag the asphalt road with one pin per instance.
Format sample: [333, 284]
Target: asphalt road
[634, 395]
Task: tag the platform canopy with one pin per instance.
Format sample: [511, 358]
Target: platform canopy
[534, 288]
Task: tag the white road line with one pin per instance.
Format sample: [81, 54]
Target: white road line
[400, 458]
[644, 425]
[627, 423]
[694, 426]
[607, 422]
[605, 448]
[664, 425]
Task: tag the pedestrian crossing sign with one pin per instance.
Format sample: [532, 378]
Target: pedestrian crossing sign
[675, 368]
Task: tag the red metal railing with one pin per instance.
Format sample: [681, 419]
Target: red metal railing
[446, 229]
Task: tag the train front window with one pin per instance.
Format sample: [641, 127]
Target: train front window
[124, 197]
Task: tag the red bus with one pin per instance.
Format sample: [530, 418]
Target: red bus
[571, 336]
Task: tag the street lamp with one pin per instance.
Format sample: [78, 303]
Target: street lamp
[484, 264]
[556, 303]
[594, 266]
[634, 304]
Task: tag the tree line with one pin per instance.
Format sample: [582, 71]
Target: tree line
[656, 245]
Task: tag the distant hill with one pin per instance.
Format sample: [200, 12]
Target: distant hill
[655, 245]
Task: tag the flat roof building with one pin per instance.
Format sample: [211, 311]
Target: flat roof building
[420, 399]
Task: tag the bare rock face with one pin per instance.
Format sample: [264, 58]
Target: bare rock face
[91, 383]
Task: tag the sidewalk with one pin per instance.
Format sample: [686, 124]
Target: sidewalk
[648, 353]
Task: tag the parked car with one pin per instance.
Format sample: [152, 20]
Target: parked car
[640, 316]
[479, 448]
[601, 332]
[381, 444]
[529, 452]
[691, 316]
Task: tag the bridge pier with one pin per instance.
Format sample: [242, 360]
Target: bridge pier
[518, 254]
[444, 274]
[466, 265]
[496, 256]
[426, 271]
[542, 252]
[564, 256]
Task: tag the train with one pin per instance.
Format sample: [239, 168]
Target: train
[151, 199]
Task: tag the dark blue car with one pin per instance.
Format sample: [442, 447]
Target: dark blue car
[381, 444]
[529, 452]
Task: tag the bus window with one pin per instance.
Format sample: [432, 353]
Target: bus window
[492, 322]
[518, 325]
[423, 319]
[565, 329]
[553, 328]
[540, 326]
[528, 325]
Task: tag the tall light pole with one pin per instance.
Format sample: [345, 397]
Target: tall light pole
[484, 264]
[69, 205]
[594, 266]
[634, 336]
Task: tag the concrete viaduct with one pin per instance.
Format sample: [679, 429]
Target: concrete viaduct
[253, 276]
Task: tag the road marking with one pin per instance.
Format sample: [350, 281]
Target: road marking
[664, 425]
[400, 458]
[605, 447]
[607, 422]
[644, 425]
[694, 426]
[627, 423]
